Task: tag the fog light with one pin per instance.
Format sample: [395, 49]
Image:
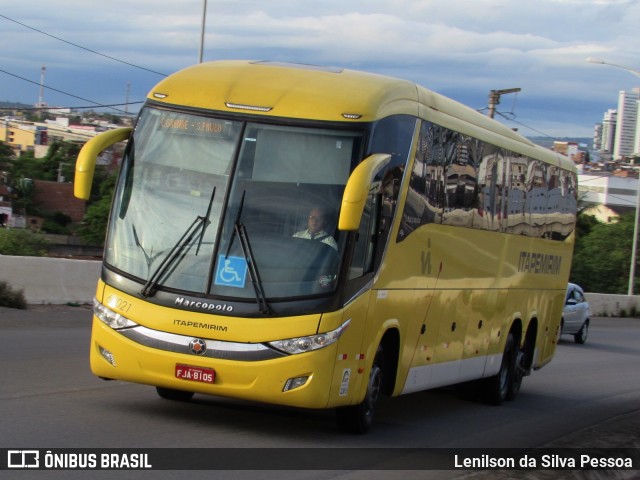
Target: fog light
[108, 356]
[294, 383]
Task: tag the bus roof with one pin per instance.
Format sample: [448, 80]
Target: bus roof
[329, 94]
[288, 90]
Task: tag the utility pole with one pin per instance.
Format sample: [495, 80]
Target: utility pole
[494, 98]
[204, 21]
[41, 95]
[126, 98]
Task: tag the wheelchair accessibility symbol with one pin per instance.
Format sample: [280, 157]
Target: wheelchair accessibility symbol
[231, 272]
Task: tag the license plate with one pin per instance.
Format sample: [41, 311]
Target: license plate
[195, 374]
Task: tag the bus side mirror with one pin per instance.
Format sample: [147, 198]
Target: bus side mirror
[358, 188]
[86, 162]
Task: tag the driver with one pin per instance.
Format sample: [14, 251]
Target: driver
[316, 223]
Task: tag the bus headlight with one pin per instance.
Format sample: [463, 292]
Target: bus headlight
[312, 342]
[109, 317]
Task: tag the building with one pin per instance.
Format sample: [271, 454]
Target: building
[597, 137]
[608, 133]
[626, 125]
[22, 136]
[58, 197]
[619, 190]
[636, 143]
[608, 191]
[571, 150]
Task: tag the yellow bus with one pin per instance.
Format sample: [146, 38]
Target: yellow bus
[317, 237]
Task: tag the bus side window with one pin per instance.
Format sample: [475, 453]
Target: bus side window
[362, 261]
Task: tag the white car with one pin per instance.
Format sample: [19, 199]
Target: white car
[575, 314]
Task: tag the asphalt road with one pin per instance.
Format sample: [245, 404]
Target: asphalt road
[588, 396]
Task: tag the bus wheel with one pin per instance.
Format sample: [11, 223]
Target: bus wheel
[519, 370]
[171, 394]
[359, 418]
[500, 387]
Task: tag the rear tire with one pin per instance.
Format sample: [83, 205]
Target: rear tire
[359, 418]
[176, 395]
[519, 370]
[506, 383]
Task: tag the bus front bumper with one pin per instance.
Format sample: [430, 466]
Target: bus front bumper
[303, 380]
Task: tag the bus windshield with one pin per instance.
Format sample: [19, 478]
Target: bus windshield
[229, 208]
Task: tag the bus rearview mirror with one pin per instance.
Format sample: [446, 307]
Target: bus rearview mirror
[357, 190]
[86, 162]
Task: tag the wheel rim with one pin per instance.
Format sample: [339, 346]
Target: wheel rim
[584, 332]
[504, 378]
[506, 370]
[373, 390]
[518, 373]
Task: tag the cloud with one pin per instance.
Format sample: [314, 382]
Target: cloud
[459, 47]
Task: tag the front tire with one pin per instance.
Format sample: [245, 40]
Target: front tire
[359, 418]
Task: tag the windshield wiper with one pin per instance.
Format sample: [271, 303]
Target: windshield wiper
[199, 224]
[240, 231]
[177, 249]
[147, 258]
[206, 216]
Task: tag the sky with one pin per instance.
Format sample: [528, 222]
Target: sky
[103, 53]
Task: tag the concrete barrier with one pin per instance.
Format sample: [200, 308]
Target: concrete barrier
[47, 280]
[608, 305]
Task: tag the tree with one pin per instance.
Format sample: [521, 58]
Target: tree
[601, 258]
[23, 189]
[60, 158]
[56, 223]
[95, 222]
[584, 225]
[6, 156]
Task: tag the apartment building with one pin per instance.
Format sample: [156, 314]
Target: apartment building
[626, 124]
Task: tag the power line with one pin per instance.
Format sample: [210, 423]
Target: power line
[22, 109]
[511, 119]
[524, 125]
[81, 47]
[59, 91]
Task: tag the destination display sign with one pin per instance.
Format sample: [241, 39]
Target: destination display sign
[188, 125]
